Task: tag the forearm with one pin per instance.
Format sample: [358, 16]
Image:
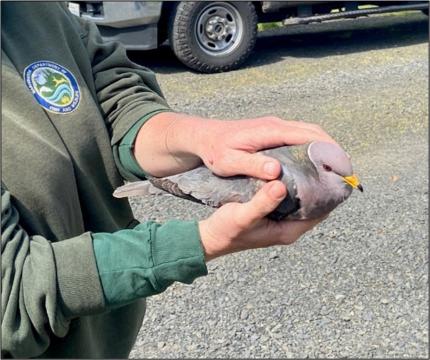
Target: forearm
[168, 143]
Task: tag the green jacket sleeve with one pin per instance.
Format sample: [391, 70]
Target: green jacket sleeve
[130, 167]
[145, 260]
[126, 91]
[44, 285]
[47, 284]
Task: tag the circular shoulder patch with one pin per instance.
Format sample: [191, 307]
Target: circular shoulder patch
[53, 86]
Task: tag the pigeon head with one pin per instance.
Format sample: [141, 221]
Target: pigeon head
[334, 167]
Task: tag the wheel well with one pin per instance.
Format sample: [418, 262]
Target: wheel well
[271, 16]
[167, 8]
[258, 7]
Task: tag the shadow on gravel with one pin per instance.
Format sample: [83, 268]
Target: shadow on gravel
[312, 41]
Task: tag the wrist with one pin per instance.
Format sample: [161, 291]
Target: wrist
[190, 135]
[212, 245]
[208, 241]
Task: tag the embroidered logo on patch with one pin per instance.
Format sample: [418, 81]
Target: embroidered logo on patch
[53, 86]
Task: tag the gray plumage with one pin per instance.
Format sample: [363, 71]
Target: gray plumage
[317, 177]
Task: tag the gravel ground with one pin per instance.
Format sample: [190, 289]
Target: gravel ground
[357, 285]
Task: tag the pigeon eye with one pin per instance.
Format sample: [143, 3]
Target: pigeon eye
[327, 168]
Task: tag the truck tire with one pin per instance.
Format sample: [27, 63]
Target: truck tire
[213, 36]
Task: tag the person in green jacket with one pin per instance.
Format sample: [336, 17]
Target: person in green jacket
[78, 117]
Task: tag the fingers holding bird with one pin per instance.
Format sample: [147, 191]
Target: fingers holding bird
[238, 162]
[263, 203]
[231, 147]
[236, 227]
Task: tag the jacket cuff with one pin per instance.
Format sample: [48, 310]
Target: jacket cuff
[79, 284]
[178, 253]
[144, 261]
[127, 160]
[129, 119]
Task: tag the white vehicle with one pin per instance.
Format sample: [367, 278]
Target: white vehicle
[213, 36]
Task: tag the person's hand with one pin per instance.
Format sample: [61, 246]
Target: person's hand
[229, 147]
[170, 143]
[236, 227]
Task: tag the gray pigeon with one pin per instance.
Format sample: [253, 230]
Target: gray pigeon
[318, 177]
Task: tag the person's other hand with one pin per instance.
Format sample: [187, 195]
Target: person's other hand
[229, 147]
[170, 143]
[236, 227]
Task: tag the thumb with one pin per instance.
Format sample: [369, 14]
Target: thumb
[263, 203]
[256, 165]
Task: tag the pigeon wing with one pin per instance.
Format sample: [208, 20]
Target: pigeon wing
[202, 186]
[138, 188]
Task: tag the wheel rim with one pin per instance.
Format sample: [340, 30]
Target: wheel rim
[219, 29]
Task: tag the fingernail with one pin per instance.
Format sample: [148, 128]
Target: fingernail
[277, 191]
[271, 168]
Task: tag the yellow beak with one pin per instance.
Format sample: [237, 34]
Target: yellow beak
[353, 181]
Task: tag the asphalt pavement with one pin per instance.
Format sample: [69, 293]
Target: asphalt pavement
[357, 285]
